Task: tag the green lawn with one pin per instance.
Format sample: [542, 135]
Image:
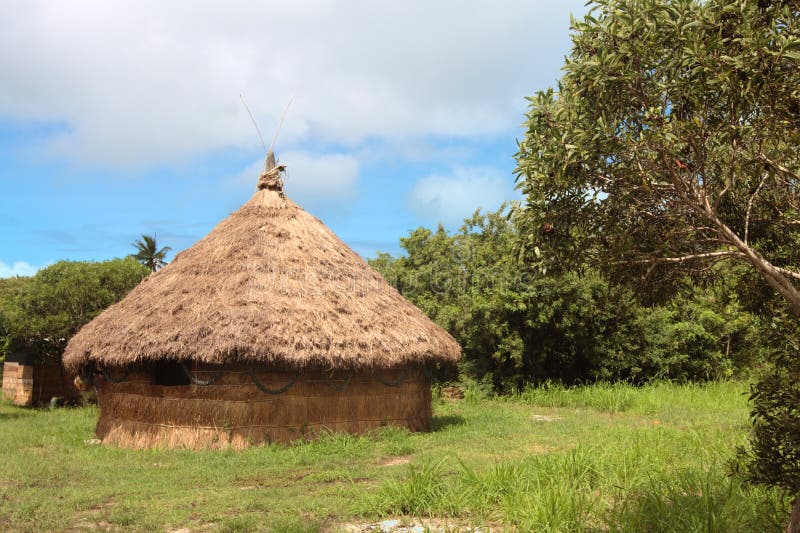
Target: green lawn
[550, 459]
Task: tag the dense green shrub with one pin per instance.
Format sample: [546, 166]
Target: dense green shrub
[40, 314]
[518, 325]
[573, 328]
[775, 439]
[699, 334]
[773, 455]
[9, 288]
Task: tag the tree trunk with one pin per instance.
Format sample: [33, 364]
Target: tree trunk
[794, 521]
[771, 275]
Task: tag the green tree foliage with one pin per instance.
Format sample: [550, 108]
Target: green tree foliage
[9, 288]
[774, 454]
[148, 254]
[517, 326]
[42, 312]
[701, 333]
[671, 142]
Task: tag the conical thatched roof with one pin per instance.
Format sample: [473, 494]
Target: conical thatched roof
[271, 284]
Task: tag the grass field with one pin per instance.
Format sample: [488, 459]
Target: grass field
[604, 457]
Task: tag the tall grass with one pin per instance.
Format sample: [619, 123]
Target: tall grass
[692, 500]
[658, 397]
[576, 491]
[660, 464]
[601, 457]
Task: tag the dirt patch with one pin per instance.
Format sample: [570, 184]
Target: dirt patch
[84, 525]
[395, 461]
[104, 505]
[277, 480]
[539, 449]
[544, 418]
[89, 520]
[197, 529]
[452, 393]
[398, 525]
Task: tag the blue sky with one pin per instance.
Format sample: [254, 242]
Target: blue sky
[124, 118]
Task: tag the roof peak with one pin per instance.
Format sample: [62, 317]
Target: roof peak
[272, 178]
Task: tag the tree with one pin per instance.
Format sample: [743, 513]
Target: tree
[9, 289]
[774, 455]
[148, 253]
[518, 327]
[672, 143]
[41, 314]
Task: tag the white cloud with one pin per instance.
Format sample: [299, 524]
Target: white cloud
[327, 177]
[18, 268]
[147, 82]
[311, 180]
[451, 198]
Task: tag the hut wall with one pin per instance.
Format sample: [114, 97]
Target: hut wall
[17, 383]
[233, 412]
[32, 383]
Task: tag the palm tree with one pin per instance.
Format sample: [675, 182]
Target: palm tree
[148, 253]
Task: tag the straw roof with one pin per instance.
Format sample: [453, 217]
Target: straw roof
[272, 284]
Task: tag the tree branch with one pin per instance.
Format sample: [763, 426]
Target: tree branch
[750, 206]
[779, 167]
[787, 272]
[684, 258]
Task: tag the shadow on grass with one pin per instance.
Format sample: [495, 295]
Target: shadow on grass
[445, 421]
[17, 413]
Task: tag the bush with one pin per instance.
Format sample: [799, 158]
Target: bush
[773, 457]
[40, 315]
[518, 325]
[573, 328]
[698, 336]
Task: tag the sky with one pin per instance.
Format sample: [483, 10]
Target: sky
[123, 118]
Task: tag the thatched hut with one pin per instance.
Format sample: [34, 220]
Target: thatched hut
[269, 329]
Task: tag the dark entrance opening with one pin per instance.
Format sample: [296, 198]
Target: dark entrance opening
[170, 373]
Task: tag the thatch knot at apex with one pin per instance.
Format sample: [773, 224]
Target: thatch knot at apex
[272, 179]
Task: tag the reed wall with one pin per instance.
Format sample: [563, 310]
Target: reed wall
[233, 412]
